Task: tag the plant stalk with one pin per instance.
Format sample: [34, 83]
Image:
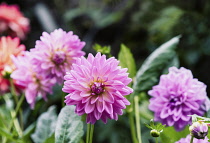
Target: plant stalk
[137, 115]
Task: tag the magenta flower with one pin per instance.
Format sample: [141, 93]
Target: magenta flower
[55, 53]
[187, 140]
[97, 87]
[34, 83]
[176, 96]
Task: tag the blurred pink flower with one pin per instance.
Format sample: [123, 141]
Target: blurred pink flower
[8, 47]
[97, 87]
[55, 53]
[12, 21]
[176, 96]
[187, 140]
[35, 83]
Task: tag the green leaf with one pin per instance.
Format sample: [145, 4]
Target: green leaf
[102, 49]
[170, 135]
[69, 128]
[45, 125]
[127, 61]
[50, 139]
[155, 65]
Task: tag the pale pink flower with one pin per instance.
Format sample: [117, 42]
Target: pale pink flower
[97, 87]
[35, 84]
[12, 21]
[54, 53]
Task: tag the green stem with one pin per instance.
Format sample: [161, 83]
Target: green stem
[191, 140]
[88, 133]
[91, 133]
[13, 90]
[156, 139]
[132, 128]
[14, 113]
[137, 115]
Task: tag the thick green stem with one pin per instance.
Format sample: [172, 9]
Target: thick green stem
[132, 128]
[91, 133]
[89, 136]
[88, 133]
[191, 140]
[156, 139]
[137, 115]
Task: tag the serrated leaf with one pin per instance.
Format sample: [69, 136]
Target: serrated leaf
[45, 125]
[126, 60]
[69, 128]
[155, 65]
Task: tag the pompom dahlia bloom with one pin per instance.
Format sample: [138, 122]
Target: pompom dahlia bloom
[176, 96]
[55, 53]
[35, 83]
[187, 140]
[8, 47]
[12, 21]
[97, 87]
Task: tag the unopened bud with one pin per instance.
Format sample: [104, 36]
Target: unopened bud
[7, 72]
[199, 130]
[154, 133]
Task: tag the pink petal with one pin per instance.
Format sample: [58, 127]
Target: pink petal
[100, 106]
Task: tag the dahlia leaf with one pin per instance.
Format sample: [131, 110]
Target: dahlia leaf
[155, 65]
[51, 139]
[126, 60]
[102, 49]
[170, 135]
[45, 125]
[69, 128]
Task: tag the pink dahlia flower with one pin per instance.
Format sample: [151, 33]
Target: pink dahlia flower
[8, 47]
[12, 21]
[97, 87]
[176, 96]
[56, 52]
[35, 84]
[187, 140]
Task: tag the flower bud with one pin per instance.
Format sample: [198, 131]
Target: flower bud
[198, 130]
[154, 133]
[7, 72]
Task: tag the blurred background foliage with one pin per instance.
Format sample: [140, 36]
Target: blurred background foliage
[142, 25]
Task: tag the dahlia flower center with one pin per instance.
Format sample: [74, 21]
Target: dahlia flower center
[59, 57]
[175, 101]
[97, 88]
